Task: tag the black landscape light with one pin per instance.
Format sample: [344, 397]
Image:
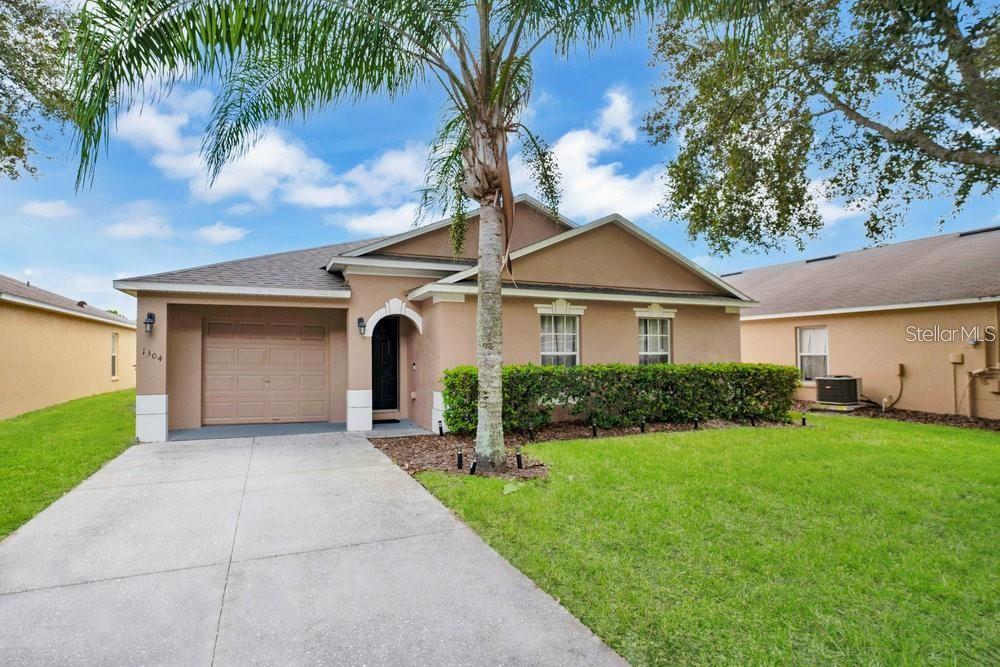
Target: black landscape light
[520, 461]
[458, 456]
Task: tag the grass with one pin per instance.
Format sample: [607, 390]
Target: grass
[44, 454]
[852, 541]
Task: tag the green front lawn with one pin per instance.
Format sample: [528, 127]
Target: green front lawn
[46, 453]
[852, 541]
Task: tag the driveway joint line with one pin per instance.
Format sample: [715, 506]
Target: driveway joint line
[351, 545]
[115, 578]
[232, 549]
[170, 481]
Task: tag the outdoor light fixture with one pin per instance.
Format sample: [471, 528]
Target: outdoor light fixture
[361, 326]
[149, 322]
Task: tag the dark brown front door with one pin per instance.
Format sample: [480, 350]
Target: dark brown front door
[385, 365]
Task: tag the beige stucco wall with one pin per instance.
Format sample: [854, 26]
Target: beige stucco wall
[609, 256]
[48, 358]
[530, 226]
[871, 345]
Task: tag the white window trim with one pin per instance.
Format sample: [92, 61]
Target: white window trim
[559, 307]
[798, 353]
[670, 339]
[654, 311]
[575, 353]
[114, 355]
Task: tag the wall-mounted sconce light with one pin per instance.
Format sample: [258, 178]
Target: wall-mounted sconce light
[361, 326]
[149, 322]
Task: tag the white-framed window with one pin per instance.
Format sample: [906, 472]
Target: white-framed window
[813, 352]
[114, 354]
[654, 340]
[560, 340]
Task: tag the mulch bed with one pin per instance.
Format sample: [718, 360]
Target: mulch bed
[895, 414]
[930, 418]
[439, 452]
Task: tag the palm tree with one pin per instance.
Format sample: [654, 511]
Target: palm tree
[277, 60]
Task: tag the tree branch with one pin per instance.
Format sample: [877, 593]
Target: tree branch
[965, 58]
[914, 139]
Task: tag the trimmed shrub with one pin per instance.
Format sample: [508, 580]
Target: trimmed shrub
[626, 395]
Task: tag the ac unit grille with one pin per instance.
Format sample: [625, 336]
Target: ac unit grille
[840, 389]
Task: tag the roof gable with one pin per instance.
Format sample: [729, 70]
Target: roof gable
[611, 253]
[534, 222]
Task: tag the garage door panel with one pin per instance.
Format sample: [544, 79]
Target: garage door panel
[265, 371]
[283, 383]
[222, 329]
[219, 356]
[283, 358]
[313, 358]
[313, 383]
[253, 330]
[221, 382]
[314, 410]
[249, 383]
[255, 357]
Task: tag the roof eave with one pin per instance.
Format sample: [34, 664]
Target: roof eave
[41, 305]
[133, 287]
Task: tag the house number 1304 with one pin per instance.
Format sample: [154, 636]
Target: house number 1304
[146, 352]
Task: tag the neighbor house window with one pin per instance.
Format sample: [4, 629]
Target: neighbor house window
[813, 351]
[560, 340]
[654, 340]
[114, 355]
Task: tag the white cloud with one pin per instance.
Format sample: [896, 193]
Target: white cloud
[318, 196]
[395, 174]
[616, 117]
[139, 220]
[387, 220]
[147, 127]
[277, 166]
[829, 210]
[220, 233]
[58, 208]
[592, 188]
[241, 209]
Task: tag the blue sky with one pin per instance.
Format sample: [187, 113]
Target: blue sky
[346, 173]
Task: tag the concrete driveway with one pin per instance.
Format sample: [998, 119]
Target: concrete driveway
[300, 549]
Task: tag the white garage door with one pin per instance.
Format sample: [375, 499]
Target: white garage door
[265, 371]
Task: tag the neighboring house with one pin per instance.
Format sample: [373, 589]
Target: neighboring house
[54, 349]
[917, 321]
[364, 330]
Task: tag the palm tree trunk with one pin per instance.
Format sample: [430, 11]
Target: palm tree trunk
[490, 451]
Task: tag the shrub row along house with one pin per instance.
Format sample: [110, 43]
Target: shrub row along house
[365, 330]
[54, 349]
[917, 321]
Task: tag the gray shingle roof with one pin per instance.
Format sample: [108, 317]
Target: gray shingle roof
[939, 268]
[295, 269]
[21, 290]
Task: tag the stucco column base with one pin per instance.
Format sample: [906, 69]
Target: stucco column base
[359, 409]
[151, 417]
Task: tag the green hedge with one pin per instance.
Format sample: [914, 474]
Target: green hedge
[626, 395]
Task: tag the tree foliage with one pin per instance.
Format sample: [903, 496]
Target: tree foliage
[31, 82]
[892, 101]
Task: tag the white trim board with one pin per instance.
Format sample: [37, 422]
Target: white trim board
[41, 305]
[629, 227]
[429, 290]
[370, 263]
[418, 231]
[130, 287]
[873, 309]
